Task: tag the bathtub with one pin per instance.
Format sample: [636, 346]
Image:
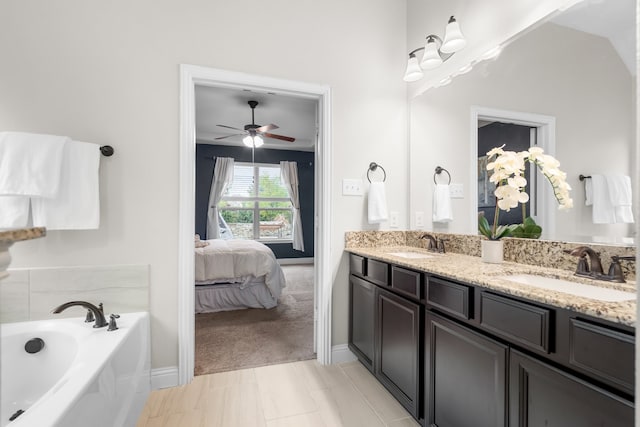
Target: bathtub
[81, 377]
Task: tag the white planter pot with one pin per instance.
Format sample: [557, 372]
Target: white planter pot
[492, 251]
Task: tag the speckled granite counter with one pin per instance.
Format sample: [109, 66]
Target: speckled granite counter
[19, 234]
[472, 270]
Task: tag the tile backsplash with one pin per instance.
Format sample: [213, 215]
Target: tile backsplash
[31, 294]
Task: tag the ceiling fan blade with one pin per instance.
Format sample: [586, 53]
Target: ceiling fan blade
[223, 137]
[266, 128]
[229, 127]
[274, 136]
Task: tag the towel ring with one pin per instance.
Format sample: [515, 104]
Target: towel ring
[372, 167]
[439, 170]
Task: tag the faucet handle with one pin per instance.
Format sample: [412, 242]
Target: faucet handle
[440, 245]
[90, 317]
[112, 322]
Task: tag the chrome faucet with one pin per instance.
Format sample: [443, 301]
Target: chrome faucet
[97, 312]
[615, 273]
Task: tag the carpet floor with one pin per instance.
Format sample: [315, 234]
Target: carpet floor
[231, 340]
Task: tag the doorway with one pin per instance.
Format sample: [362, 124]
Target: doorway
[190, 76]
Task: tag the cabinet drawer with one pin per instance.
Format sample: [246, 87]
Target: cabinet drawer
[406, 281]
[604, 352]
[357, 265]
[523, 323]
[377, 272]
[450, 297]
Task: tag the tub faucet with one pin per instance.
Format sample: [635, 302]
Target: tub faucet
[97, 312]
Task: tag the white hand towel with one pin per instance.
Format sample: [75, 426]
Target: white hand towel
[30, 164]
[603, 211]
[442, 204]
[620, 194]
[377, 203]
[14, 211]
[588, 192]
[77, 206]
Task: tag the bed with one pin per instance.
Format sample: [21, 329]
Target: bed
[236, 274]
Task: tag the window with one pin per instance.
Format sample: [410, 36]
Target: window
[259, 212]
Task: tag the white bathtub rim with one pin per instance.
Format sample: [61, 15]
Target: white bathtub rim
[49, 409]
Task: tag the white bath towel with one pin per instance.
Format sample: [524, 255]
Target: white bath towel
[77, 206]
[442, 204]
[620, 194]
[30, 164]
[377, 211]
[603, 211]
[14, 211]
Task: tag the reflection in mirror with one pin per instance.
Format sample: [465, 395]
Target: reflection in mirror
[570, 80]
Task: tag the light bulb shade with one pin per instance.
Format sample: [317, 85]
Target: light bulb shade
[453, 38]
[413, 72]
[257, 141]
[431, 58]
[248, 141]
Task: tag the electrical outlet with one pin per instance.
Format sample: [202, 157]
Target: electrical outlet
[393, 219]
[352, 187]
[456, 191]
[419, 219]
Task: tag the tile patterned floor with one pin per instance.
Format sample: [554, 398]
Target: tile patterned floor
[292, 394]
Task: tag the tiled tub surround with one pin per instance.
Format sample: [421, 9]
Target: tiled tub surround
[31, 294]
[471, 269]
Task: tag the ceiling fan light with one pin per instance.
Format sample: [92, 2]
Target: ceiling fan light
[453, 38]
[413, 71]
[431, 58]
[248, 141]
[257, 141]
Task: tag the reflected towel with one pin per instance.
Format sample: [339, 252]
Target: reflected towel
[442, 204]
[603, 211]
[377, 211]
[619, 187]
[14, 211]
[77, 205]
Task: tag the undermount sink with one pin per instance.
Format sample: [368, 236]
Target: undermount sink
[409, 254]
[573, 288]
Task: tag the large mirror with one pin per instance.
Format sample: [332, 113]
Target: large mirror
[572, 79]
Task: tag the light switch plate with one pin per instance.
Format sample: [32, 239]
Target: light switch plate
[393, 219]
[352, 187]
[456, 191]
[419, 219]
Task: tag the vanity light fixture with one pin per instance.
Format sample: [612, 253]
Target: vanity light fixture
[436, 51]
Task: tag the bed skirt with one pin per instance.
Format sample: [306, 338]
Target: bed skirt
[234, 296]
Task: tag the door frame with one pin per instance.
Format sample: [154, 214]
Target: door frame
[546, 137]
[190, 76]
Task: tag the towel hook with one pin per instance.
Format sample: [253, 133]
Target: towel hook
[372, 167]
[439, 170]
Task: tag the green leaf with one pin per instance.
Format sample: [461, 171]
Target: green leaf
[528, 230]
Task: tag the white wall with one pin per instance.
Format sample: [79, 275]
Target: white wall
[107, 72]
[549, 71]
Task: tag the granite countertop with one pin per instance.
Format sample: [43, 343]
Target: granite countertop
[19, 234]
[472, 269]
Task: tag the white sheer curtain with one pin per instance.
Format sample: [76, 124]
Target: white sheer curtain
[289, 175]
[222, 178]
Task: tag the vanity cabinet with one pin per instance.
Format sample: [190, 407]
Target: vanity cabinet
[467, 374]
[542, 395]
[399, 353]
[457, 354]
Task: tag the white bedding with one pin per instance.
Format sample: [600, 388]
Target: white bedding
[238, 261]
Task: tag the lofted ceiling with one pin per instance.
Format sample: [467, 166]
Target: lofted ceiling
[295, 116]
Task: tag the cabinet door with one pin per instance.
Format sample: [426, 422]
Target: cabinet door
[362, 303]
[466, 374]
[398, 365]
[541, 395]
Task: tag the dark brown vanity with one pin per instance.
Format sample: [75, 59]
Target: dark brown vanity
[457, 354]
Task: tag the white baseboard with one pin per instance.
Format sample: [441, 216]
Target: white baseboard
[290, 261]
[164, 377]
[340, 354]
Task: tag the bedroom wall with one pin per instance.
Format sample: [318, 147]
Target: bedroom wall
[204, 174]
[108, 72]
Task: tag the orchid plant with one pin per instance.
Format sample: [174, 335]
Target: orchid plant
[508, 175]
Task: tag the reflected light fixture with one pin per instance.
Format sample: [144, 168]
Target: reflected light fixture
[436, 51]
[253, 140]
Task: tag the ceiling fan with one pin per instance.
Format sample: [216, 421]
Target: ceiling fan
[254, 133]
